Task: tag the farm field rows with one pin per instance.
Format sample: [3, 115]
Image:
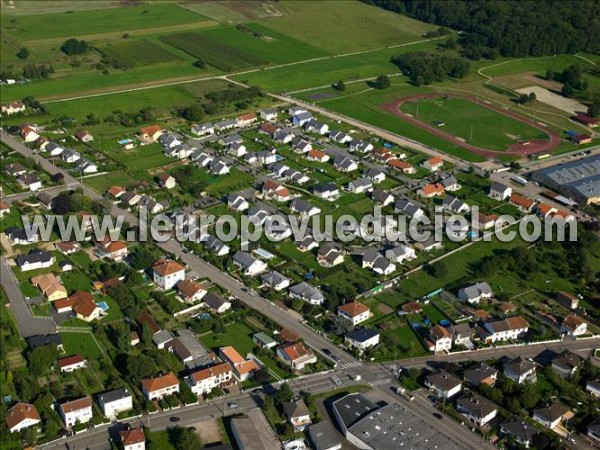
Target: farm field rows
[135, 53]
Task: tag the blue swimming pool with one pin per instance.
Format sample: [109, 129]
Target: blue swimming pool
[103, 305]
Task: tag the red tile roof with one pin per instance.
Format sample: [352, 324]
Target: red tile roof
[167, 267]
[354, 309]
[21, 412]
[158, 383]
[70, 360]
[133, 436]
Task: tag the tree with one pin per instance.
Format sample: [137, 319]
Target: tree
[74, 47]
[284, 394]
[23, 53]
[143, 257]
[339, 86]
[62, 204]
[340, 326]
[41, 359]
[439, 269]
[594, 108]
[200, 64]
[184, 438]
[381, 82]
[140, 366]
[192, 113]
[261, 376]
[450, 43]
[568, 90]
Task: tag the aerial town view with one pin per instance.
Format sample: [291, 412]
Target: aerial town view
[299, 224]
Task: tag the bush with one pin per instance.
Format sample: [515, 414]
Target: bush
[74, 47]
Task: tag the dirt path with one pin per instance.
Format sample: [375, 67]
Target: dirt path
[522, 150]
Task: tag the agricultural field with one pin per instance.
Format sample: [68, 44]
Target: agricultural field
[264, 43]
[474, 123]
[82, 23]
[213, 52]
[341, 26]
[136, 53]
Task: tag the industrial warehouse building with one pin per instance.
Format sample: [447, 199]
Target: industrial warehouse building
[579, 179]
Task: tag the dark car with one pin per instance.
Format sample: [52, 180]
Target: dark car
[326, 351]
[438, 415]
[174, 419]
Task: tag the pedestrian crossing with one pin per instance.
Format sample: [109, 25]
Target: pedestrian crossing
[350, 365]
[381, 382]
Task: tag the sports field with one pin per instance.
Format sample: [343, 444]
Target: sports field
[135, 53]
[473, 123]
[213, 51]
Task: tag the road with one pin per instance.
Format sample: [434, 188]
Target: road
[25, 195]
[27, 323]
[222, 279]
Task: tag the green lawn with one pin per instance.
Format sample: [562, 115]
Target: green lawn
[266, 44]
[233, 181]
[115, 178]
[344, 26]
[80, 343]
[475, 124]
[76, 280]
[80, 23]
[143, 158]
[28, 289]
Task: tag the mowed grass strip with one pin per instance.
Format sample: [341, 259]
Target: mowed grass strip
[212, 51]
[81, 23]
[473, 123]
[264, 43]
[135, 53]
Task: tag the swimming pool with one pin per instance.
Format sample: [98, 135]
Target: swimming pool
[103, 305]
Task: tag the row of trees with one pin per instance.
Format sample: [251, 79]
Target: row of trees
[512, 27]
[426, 68]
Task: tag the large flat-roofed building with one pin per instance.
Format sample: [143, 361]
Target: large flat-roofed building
[369, 426]
[579, 179]
[252, 432]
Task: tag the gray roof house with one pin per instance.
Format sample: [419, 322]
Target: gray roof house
[323, 436]
[308, 293]
[518, 430]
[476, 292]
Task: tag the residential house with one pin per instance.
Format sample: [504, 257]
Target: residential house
[71, 363]
[22, 416]
[275, 191]
[500, 191]
[476, 408]
[15, 169]
[219, 167]
[566, 364]
[375, 261]
[242, 368]
[216, 303]
[443, 383]
[29, 133]
[82, 304]
[480, 374]
[360, 185]
[307, 243]
[133, 439]
[30, 181]
[375, 175]
[433, 164]
[40, 340]
[296, 355]
[440, 339]
[303, 208]
[238, 150]
[264, 340]
[406, 206]
[431, 190]
[362, 339]
[4, 209]
[162, 339]
[523, 203]
[552, 415]
[593, 430]
[283, 136]
[455, 205]
[158, 387]
[35, 259]
[68, 247]
[317, 156]
[203, 129]
[50, 286]
[301, 118]
[593, 387]
[245, 120]
[166, 181]
[339, 136]
[225, 124]
[151, 134]
[76, 411]
[401, 253]
[475, 293]
[13, 108]
[573, 326]
[344, 164]
[382, 197]
[567, 299]
[114, 402]
[518, 430]
[485, 221]
[450, 183]
[250, 265]
[109, 249]
[299, 145]
[275, 280]
[511, 328]
[308, 293]
[356, 145]
[326, 191]
[316, 126]
[70, 156]
[329, 255]
[356, 312]
[268, 114]
[130, 198]
[182, 151]
[216, 246]
[167, 273]
[170, 140]
[190, 291]
[203, 381]
[53, 149]
[520, 370]
[84, 136]
[237, 202]
[297, 414]
[231, 139]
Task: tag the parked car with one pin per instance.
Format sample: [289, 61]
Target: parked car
[174, 419]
